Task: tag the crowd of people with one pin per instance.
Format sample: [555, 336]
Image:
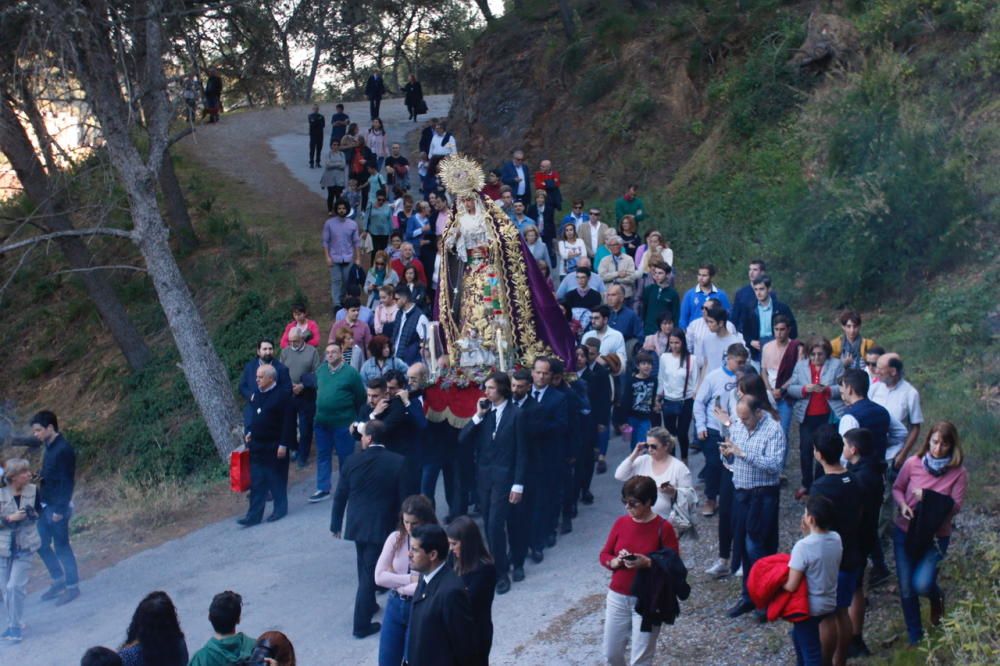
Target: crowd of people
[675, 375]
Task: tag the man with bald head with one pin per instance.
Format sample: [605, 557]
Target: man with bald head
[302, 361]
[269, 431]
[547, 178]
[900, 399]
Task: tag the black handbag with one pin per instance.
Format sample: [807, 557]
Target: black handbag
[675, 407]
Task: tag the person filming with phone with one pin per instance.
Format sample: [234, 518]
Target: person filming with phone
[633, 537]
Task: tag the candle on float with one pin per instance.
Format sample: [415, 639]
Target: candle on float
[432, 334]
[502, 367]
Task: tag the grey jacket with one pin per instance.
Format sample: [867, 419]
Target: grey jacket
[830, 375]
[25, 535]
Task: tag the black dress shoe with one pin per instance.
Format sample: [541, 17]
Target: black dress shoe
[372, 628]
[566, 527]
[602, 466]
[741, 608]
[275, 517]
[537, 556]
[587, 498]
[503, 585]
[518, 574]
[550, 541]
[68, 595]
[53, 592]
[246, 522]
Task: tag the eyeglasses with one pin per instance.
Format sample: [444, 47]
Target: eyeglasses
[871, 365]
[380, 263]
[631, 503]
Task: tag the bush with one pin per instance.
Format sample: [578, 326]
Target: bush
[596, 83]
[889, 206]
[37, 367]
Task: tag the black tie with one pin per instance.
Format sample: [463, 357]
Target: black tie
[535, 394]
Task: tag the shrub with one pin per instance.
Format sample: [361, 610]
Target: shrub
[37, 367]
[596, 83]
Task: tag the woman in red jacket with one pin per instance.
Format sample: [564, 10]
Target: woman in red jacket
[633, 537]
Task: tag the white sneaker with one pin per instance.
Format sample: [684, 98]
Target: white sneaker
[718, 570]
[739, 572]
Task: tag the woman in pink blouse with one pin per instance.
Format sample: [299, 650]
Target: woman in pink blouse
[936, 467]
[393, 571]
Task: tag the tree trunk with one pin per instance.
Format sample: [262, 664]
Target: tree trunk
[176, 206]
[313, 67]
[18, 149]
[91, 58]
[566, 14]
[484, 7]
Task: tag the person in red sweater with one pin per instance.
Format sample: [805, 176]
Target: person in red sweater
[406, 259]
[633, 537]
[306, 326]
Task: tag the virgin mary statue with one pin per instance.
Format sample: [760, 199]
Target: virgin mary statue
[495, 307]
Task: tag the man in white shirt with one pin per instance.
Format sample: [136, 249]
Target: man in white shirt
[698, 328]
[442, 143]
[612, 341]
[711, 349]
[899, 398]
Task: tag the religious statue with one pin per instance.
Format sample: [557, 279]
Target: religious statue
[495, 308]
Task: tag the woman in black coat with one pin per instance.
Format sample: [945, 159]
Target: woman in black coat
[414, 98]
[473, 563]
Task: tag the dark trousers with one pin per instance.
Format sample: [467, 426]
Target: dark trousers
[55, 550]
[411, 473]
[679, 426]
[268, 473]
[805, 639]
[332, 194]
[494, 503]
[727, 545]
[438, 458]
[305, 412]
[545, 512]
[379, 243]
[585, 461]
[570, 489]
[521, 515]
[364, 599]
[315, 149]
[807, 432]
[373, 106]
[713, 463]
[464, 491]
[755, 526]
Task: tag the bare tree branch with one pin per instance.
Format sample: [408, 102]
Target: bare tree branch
[109, 267]
[180, 135]
[35, 240]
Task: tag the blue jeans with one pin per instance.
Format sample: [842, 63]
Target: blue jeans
[329, 439]
[785, 411]
[640, 426]
[917, 578]
[55, 550]
[805, 638]
[338, 280]
[713, 463]
[755, 525]
[392, 639]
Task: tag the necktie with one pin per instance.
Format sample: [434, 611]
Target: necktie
[535, 394]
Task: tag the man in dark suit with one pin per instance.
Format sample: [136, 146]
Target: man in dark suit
[374, 90]
[248, 380]
[380, 406]
[545, 427]
[370, 483]
[598, 379]
[415, 429]
[270, 429]
[442, 631]
[502, 463]
[577, 438]
[519, 527]
[516, 174]
[758, 318]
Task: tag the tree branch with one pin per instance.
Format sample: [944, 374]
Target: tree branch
[35, 240]
[180, 135]
[110, 267]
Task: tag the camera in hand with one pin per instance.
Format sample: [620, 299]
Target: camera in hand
[629, 558]
[261, 651]
[29, 512]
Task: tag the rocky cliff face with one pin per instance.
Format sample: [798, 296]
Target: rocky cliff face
[605, 112]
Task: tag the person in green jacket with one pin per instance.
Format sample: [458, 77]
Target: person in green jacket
[227, 646]
[630, 204]
[340, 392]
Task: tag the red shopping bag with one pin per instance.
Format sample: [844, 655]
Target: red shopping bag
[239, 471]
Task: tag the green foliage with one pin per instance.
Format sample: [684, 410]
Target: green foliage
[597, 83]
[37, 367]
[614, 30]
[902, 20]
[970, 633]
[642, 106]
[891, 188]
[765, 87]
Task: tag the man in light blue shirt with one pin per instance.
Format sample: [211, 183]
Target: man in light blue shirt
[569, 282]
